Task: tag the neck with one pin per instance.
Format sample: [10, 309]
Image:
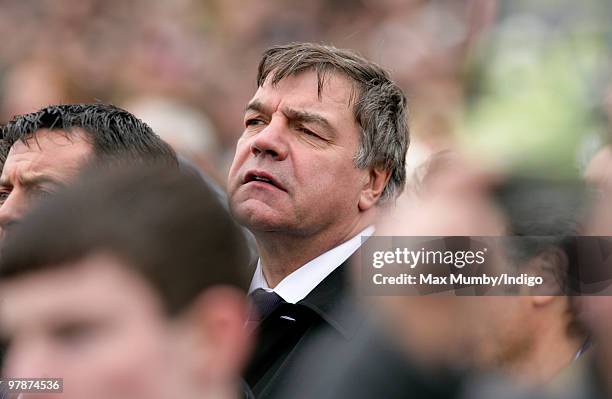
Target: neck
[553, 350]
[281, 253]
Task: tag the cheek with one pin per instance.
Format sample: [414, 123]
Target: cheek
[243, 147]
[328, 177]
[505, 318]
[240, 157]
[125, 365]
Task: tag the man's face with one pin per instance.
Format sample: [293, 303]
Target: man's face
[35, 168]
[94, 323]
[294, 166]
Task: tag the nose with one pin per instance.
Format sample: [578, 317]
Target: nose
[12, 209]
[271, 141]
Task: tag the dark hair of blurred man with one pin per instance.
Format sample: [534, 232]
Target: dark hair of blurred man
[592, 377]
[324, 145]
[540, 333]
[130, 284]
[533, 333]
[47, 148]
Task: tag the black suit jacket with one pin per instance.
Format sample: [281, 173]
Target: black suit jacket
[284, 334]
[370, 366]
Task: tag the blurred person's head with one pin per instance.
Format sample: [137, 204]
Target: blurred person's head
[46, 149]
[188, 130]
[453, 200]
[597, 308]
[530, 333]
[599, 169]
[540, 331]
[31, 85]
[129, 284]
[324, 144]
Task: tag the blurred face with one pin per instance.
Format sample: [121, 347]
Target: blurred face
[596, 309]
[598, 170]
[294, 169]
[36, 168]
[445, 328]
[94, 323]
[489, 332]
[508, 327]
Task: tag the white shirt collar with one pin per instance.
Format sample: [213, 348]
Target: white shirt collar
[298, 284]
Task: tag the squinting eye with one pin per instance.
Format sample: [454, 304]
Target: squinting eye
[309, 132]
[253, 122]
[5, 346]
[76, 336]
[4, 196]
[5, 343]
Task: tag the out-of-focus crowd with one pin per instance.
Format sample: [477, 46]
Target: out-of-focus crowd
[194, 60]
[198, 55]
[205, 236]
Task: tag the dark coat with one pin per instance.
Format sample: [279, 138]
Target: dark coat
[282, 336]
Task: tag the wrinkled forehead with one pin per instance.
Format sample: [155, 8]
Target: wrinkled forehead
[323, 86]
[54, 151]
[299, 95]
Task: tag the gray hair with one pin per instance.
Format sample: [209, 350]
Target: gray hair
[379, 106]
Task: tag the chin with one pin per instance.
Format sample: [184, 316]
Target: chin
[257, 216]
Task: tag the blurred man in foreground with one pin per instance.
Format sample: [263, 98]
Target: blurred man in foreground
[46, 149]
[528, 333]
[426, 343]
[591, 378]
[323, 148]
[130, 284]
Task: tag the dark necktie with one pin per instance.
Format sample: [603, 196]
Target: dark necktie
[264, 303]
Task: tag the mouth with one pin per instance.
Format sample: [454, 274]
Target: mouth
[262, 177]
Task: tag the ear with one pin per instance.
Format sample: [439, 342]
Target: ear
[552, 265]
[223, 344]
[373, 188]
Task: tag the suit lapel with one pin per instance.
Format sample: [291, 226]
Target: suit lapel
[282, 332]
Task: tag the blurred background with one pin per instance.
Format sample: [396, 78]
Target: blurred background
[521, 83]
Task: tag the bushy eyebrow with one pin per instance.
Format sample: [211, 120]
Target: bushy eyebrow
[294, 115]
[30, 180]
[309, 117]
[256, 106]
